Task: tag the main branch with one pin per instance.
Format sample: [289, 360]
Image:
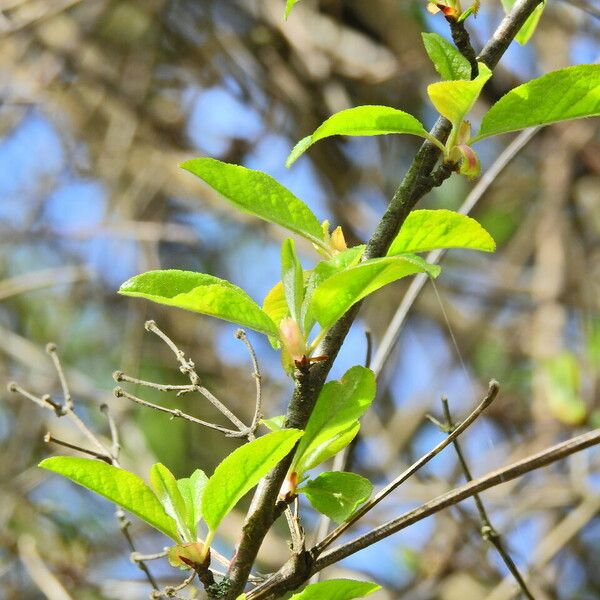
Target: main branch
[421, 178]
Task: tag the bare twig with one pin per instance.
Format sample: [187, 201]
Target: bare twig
[175, 413]
[463, 42]
[67, 409]
[240, 334]
[512, 471]
[50, 439]
[171, 591]
[488, 532]
[114, 432]
[365, 508]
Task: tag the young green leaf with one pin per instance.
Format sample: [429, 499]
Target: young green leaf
[292, 278]
[334, 420]
[239, 472]
[260, 195]
[338, 293]
[426, 230]
[288, 7]
[117, 485]
[454, 99]
[446, 58]
[165, 487]
[324, 270]
[570, 93]
[192, 489]
[337, 589]
[200, 293]
[530, 25]
[361, 120]
[337, 494]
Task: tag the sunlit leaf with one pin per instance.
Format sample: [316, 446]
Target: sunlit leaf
[274, 423]
[337, 494]
[446, 58]
[570, 93]
[361, 120]
[239, 472]
[192, 489]
[288, 7]
[258, 194]
[167, 491]
[334, 419]
[200, 293]
[292, 278]
[117, 485]
[338, 293]
[324, 270]
[426, 230]
[454, 99]
[336, 589]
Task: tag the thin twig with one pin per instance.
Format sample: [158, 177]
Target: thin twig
[50, 439]
[68, 410]
[287, 579]
[512, 471]
[365, 508]
[171, 590]
[175, 413]
[488, 531]
[188, 368]
[114, 432]
[240, 334]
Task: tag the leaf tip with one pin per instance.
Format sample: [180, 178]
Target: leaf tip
[298, 150]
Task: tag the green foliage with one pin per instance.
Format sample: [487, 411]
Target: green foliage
[341, 291]
[570, 93]
[446, 58]
[530, 25]
[292, 278]
[425, 230]
[258, 194]
[454, 99]
[200, 293]
[337, 494]
[239, 472]
[288, 7]
[169, 495]
[117, 485]
[337, 589]
[362, 120]
[192, 489]
[334, 420]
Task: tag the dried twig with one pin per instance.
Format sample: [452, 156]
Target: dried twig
[488, 532]
[240, 334]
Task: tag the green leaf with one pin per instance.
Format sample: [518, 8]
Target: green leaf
[337, 494]
[274, 423]
[339, 292]
[323, 271]
[165, 487]
[446, 58]
[192, 489]
[258, 194]
[117, 485]
[570, 93]
[292, 278]
[239, 472]
[454, 99]
[530, 24]
[334, 420]
[288, 7]
[426, 230]
[361, 120]
[337, 589]
[200, 293]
